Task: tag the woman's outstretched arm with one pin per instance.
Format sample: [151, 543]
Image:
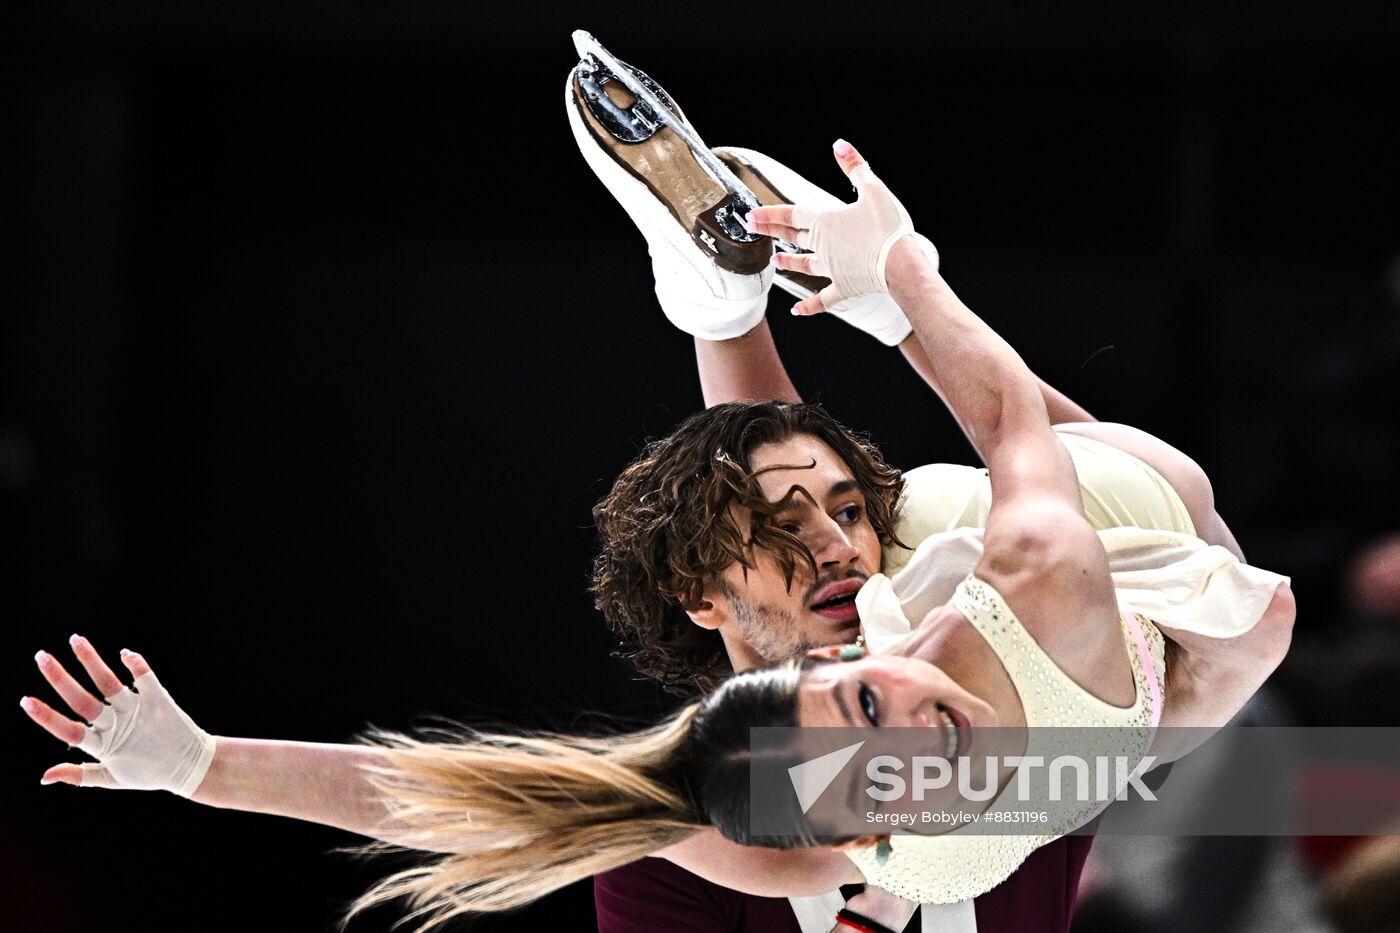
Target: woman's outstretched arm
[146, 742]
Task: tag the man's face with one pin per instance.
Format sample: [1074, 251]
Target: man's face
[762, 620]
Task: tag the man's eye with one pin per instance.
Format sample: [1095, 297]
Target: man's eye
[867, 705]
[850, 514]
[790, 527]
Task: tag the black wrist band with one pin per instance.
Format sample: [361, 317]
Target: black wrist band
[874, 926]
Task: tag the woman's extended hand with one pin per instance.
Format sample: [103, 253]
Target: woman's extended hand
[140, 738]
[849, 243]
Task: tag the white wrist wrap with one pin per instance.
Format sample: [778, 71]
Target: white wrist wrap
[877, 314]
[143, 741]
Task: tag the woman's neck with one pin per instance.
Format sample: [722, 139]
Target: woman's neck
[947, 640]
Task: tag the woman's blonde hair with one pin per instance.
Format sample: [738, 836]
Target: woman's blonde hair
[524, 815]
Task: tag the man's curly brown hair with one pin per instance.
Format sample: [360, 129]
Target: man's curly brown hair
[666, 529]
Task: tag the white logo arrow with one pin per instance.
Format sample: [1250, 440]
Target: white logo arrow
[810, 778]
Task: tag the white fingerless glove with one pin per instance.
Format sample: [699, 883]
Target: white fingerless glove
[851, 243]
[143, 741]
[875, 314]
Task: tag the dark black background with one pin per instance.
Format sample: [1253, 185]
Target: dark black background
[318, 340]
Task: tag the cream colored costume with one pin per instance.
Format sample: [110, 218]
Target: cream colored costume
[1162, 573]
[1119, 490]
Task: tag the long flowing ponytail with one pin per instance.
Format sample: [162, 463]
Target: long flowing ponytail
[521, 816]
[525, 815]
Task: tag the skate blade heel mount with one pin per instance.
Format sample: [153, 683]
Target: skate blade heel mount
[798, 284]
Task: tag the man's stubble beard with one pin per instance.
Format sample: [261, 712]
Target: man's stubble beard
[776, 634]
[773, 634]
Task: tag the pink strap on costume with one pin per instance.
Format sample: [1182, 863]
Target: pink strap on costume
[1149, 667]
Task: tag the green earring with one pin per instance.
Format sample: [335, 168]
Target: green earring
[851, 653]
[883, 849]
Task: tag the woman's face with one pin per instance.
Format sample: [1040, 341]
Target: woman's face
[887, 690]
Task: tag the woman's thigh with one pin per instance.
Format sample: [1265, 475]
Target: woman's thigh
[1180, 471]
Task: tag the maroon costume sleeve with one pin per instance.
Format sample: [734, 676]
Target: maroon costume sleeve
[1040, 896]
[652, 894]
